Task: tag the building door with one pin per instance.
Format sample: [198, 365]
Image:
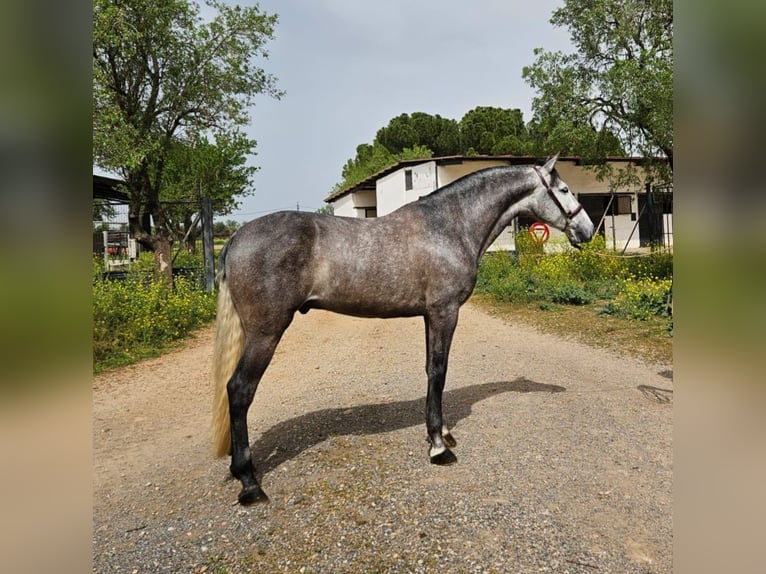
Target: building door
[595, 205]
[656, 209]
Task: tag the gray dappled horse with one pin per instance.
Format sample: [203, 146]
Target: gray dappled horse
[421, 259]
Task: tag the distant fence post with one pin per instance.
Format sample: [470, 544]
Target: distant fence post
[105, 235]
[207, 244]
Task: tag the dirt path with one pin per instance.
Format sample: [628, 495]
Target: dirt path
[564, 457]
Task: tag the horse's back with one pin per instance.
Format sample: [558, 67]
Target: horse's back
[267, 258]
[280, 223]
[294, 244]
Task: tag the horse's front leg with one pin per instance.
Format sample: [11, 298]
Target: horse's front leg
[440, 326]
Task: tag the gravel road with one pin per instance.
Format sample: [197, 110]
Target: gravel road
[564, 457]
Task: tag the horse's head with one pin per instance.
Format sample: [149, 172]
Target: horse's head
[555, 205]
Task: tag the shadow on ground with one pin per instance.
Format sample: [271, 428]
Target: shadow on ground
[288, 439]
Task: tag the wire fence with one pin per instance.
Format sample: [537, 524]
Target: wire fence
[119, 253]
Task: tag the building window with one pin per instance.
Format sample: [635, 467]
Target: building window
[622, 206]
[366, 212]
[599, 204]
[407, 179]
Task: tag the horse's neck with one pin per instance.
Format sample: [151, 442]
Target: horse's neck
[489, 207]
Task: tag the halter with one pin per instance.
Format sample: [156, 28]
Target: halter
[569, 215]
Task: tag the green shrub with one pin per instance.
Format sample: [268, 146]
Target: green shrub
[528, 250]
[137, 318]
[635, 287]
[554, 268]
[571, 294]
[593, 263]
[642, 298]
[494, 267]
[181, 259]
[505, 277]
[659, 266]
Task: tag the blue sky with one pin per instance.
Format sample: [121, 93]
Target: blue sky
[348, 67]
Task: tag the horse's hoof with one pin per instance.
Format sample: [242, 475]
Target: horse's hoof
[444, 458]
[449, 440]
[252, 495]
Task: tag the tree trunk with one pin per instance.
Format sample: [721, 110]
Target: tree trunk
[163, 260]
[163, 241]
[144, 201]
[669, 153]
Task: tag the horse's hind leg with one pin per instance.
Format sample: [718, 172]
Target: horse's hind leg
[241, 389]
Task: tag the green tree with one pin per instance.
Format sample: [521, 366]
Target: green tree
[220, 229]
[225, 229]
[103, 210]
[161, 73]
[483, 130]
[440, 135]
[618, 84]
[194, 170]
[571, 137]
[494, 131]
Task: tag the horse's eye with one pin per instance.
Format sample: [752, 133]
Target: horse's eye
[564, 190]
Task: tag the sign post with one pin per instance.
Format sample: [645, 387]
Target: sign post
[539, 233]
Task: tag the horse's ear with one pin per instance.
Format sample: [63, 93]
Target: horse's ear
[550, 164]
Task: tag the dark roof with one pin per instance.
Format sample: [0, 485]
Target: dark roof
[108, 188]
[369, 182]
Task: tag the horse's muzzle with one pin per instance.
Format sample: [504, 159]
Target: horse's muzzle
[582, 232]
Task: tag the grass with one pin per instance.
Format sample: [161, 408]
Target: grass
[592, 295]
[139, 318]
[646, 340]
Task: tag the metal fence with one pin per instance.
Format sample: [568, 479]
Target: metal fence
[120, 252]
[111, 239]
[657, 223]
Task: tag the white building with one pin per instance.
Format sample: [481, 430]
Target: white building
[614, 210]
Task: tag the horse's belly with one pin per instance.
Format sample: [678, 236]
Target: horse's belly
[370, 301]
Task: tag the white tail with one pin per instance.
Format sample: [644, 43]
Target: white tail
[229, 343]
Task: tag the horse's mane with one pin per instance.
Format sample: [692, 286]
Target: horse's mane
[465, 181]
